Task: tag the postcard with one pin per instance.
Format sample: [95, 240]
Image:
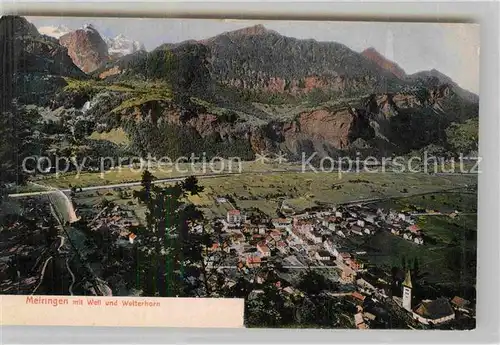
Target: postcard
[238, 173]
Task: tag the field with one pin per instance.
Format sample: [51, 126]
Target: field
[139, 91]
[267, 192]
[124, 174]
[304, 190]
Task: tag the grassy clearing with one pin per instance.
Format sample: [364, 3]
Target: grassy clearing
[144, 97]
[448, 260]
[77, 85]
[88, 203]
[115, 176]
[140, 91]
[448, 202]
[116, 136]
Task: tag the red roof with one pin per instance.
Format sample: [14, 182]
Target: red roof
[263, 248]
[357, 295]
[459, 301]
[234, 212]
[281, 220]
[414, 228]
[253, 260]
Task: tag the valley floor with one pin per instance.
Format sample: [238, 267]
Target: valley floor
[443, 206]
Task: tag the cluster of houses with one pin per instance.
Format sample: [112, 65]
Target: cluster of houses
[313, 236]
[403, 225]
[116, 219]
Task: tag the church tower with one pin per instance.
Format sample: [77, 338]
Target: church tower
[407, 286]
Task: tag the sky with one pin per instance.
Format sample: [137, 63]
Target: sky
[452, 49]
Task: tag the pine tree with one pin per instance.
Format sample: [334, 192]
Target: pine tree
[166, 247]
[416, 268]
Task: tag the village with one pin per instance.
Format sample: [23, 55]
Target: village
[320, 239]
[315, 240]
[313, 237]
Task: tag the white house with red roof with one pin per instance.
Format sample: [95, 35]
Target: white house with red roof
[263, 249]
[414, 229]
[234, 217]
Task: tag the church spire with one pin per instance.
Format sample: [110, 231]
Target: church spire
[407, 281]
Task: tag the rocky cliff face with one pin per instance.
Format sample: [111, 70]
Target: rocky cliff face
[321, 131]
[118, 46]
[383, 62]
[86, 48]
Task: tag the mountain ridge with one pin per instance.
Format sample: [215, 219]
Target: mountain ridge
[256, 90]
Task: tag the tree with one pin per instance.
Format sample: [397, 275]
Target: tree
[19, 138]
[167, 251]
[416, 268]
[313, 283]
[403, 263]
[82, 128]
[266, 309]
[209, 262]
[463, 137]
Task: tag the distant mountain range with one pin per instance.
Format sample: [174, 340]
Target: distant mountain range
[54, 31]
[242, 92]
[117, 46]
[121, 45]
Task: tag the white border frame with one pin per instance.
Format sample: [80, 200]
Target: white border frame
[484, 13]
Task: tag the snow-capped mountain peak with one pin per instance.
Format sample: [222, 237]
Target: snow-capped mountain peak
[54, 31]
[122, 45]
[89, 27]
[118, 46]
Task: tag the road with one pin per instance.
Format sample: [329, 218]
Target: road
[441, 214]
[287, 267]
[118, 185]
